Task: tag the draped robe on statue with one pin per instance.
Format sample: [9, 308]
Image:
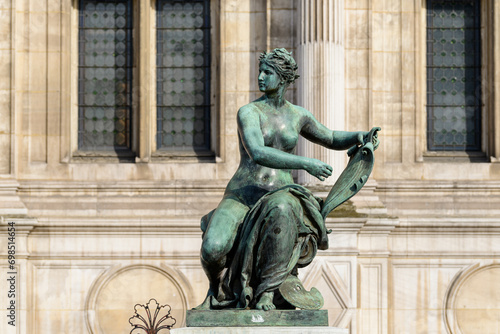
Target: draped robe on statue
[280, 233]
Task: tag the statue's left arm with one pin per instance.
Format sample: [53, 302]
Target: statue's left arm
[336, 140]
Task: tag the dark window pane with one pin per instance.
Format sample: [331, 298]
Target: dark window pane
[453, 75]
[183, 75]
[105, 75]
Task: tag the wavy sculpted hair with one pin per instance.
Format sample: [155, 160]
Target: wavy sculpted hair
[282, 62]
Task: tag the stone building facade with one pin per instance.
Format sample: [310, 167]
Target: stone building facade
[101, 228]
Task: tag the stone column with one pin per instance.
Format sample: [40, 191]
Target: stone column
[321, 85]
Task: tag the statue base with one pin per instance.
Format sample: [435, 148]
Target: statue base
[256, 318]
[260, 330]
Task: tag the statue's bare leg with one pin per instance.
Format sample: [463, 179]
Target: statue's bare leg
[212, 270]
[266, 302]
[218, 241]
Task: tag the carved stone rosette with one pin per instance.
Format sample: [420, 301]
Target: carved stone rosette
[151, 318]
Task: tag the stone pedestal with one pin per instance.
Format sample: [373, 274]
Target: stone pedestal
[256, 318]
[255, 321]
[259, 330]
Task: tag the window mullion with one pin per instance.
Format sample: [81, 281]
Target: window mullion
[144, 90]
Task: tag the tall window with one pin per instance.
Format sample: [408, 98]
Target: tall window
[453, 75]
[104, 75]
[105, 68]
[183, 75]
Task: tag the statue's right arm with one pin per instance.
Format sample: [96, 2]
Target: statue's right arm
[253, 142]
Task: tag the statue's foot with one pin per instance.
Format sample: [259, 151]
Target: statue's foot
[266, 302]
[206, 305]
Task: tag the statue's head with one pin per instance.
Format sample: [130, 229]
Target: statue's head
[283, 64]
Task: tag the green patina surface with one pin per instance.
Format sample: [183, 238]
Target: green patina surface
[249, 318]
[266, 226]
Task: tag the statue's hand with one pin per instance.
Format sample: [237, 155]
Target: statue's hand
[364, 137]
[376, 142]
[374, 137]
[319, 169]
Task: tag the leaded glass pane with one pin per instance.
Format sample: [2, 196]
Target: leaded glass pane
[183, 75]
[453, 75]
[105, 75]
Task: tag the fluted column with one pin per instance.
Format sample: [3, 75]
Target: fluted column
[321, 85]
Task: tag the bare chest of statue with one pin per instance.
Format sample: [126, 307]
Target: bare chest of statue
[280, 129]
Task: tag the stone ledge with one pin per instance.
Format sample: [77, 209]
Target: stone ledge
[256, 318]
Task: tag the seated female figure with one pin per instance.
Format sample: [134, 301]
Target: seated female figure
[279, 215]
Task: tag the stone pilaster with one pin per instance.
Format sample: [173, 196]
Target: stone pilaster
[321, 86]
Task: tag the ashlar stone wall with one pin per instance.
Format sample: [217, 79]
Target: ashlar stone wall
[416, 251]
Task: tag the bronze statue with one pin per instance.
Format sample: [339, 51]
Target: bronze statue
[266, 226]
